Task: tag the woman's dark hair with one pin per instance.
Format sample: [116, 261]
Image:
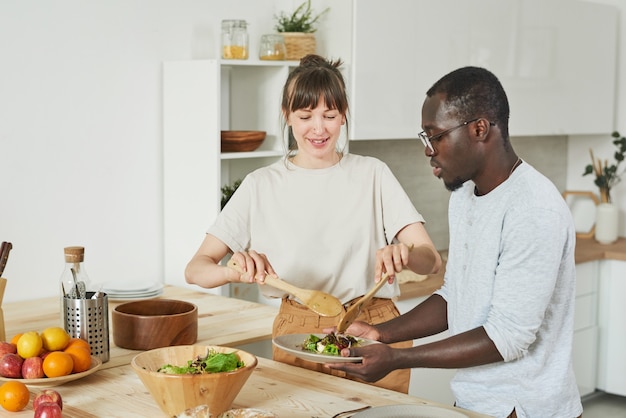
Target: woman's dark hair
[314, 79]
[473, 92]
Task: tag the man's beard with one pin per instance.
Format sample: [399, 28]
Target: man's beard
[454, 184]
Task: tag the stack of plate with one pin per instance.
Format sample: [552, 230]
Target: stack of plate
[132, 290]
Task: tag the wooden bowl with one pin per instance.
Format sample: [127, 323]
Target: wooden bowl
[154, 323]
[177, 393]
[241, 141]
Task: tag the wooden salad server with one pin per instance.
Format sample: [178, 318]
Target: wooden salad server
[319, 302]
[353, 312]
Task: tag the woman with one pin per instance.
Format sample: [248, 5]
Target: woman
[320, 219]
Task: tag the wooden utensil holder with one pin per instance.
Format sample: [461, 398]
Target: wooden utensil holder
[3, 284]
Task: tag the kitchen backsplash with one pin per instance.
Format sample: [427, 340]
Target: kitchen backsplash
[406, 159]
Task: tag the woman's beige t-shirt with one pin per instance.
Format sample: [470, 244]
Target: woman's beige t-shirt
[320, 228]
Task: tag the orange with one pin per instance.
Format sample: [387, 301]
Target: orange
[15, 338]
[57, 364]
[55, 338]
[79, 342]
[14, 396]
[81, 357]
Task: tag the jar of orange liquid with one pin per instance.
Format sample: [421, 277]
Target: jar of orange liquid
[234, 39]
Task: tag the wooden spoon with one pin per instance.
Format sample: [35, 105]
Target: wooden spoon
[319, 302]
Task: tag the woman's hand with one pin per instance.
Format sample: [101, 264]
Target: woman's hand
[255, 266]
[391, 259]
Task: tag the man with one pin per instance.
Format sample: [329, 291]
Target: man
[509, 287]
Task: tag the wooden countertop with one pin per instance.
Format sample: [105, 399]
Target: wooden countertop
[415, 286]
[221, 320]
[590, 250]
[287, 391]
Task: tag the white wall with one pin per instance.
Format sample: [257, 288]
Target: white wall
[80, 126]
[578, 150]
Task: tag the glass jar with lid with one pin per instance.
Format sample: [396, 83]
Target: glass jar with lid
[234, 39]
[272, 47]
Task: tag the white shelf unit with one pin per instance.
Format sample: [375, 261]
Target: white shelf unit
[201, 98]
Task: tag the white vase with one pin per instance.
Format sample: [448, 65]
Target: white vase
[606, 223]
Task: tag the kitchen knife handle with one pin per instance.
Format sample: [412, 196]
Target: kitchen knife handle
[4, 255]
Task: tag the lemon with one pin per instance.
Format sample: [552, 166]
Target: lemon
[55, 338]
[29, 344]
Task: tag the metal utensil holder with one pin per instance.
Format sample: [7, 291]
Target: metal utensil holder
[89, 319]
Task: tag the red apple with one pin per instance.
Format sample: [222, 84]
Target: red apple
[11, 365]
[48, 395]
[6, 347]
[32, 368]
[48, 410]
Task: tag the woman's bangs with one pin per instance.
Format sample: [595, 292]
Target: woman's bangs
[310, 89]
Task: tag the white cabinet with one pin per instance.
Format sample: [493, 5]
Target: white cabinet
[556, 60]
[584, 350]
[612, 333]
[201, 98]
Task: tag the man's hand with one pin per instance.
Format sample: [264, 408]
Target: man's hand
[358, 329]
[378, 362]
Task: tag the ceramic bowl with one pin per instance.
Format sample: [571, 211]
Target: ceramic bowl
[241, 141]
[177, 393]
[154, 323]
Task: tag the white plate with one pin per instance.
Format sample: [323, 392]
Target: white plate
[409, 411]
[130, 287]
[154, 289]
[134, 297]
[292, 343]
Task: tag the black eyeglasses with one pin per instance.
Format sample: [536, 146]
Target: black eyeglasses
[428, 140]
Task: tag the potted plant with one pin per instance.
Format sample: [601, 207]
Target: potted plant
[298, 30]
[607, 175]
[228, 191]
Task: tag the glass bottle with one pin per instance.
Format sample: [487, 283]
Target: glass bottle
[74, 280]
[234, 39]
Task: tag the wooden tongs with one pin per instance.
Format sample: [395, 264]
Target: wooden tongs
[319, 302]
[353, 312]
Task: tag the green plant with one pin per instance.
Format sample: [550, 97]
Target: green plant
[607, 175]
[301, 20]
[228, 190]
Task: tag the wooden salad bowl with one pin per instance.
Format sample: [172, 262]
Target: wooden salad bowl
[176, 393]
[241, 141]
[154, 323]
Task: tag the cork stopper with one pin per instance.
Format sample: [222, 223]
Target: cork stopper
[74, 254]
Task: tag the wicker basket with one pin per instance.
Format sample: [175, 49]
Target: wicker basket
[299, 44]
